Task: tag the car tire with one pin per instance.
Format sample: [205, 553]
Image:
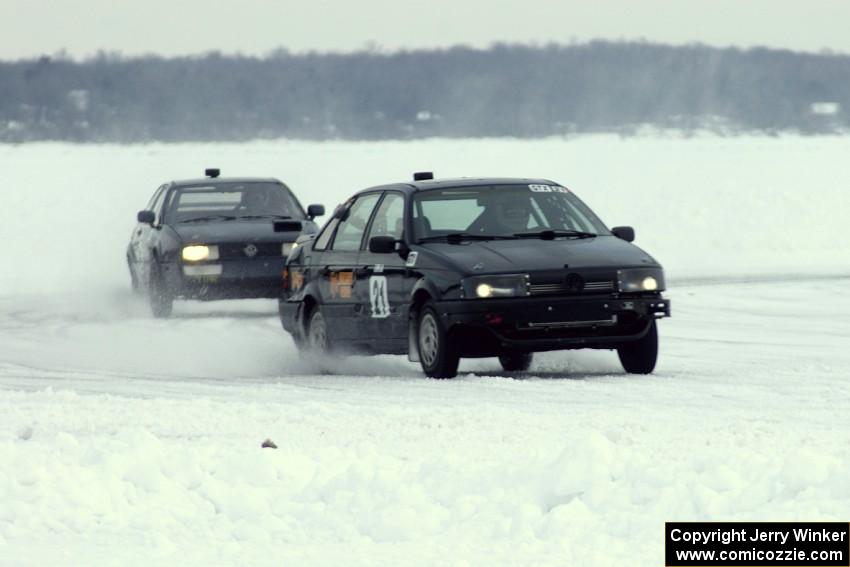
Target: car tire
[438, 357]
[134, 279]
[639, 357]
[516, 361]
[160, 296]
[316, 340]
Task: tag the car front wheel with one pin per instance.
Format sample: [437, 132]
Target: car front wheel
[439, 359]
[317, 332]
[134, 279]
[160, 295]
[639, 357]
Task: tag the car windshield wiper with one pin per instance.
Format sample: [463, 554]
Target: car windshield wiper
[457, 237]
[551, 234]
[209, 218]
[263, 217]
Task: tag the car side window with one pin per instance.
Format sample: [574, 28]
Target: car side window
[154, 197]
[389, 218]
[325, 236]
[349, 232]
[157, 205]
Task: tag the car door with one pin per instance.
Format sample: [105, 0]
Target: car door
[339, 270]
[143, 233]
[383, 290]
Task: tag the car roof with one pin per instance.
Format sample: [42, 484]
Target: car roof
[208, 181]
[417, 186]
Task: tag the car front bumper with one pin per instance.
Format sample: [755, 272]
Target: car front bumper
[231, 279]
[290, 315]
[482, 327]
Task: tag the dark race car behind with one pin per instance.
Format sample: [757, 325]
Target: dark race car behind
[215, 238]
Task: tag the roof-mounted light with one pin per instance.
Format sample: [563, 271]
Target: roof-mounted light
[212, 172]
[423, 175]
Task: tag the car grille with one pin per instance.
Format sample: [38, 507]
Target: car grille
[241, 249]
[564, 289]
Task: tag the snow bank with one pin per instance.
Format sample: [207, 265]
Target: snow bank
[105, 479]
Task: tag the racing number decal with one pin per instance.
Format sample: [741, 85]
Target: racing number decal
[378, 297]
[548, 189]
[341, 283]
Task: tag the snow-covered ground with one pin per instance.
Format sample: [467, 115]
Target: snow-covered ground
[126, 440]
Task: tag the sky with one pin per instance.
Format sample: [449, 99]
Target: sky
[30, 28]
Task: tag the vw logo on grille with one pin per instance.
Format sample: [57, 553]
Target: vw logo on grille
[250, 250]
[574, 283]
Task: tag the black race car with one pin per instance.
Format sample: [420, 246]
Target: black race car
[215, 238]
[473, 268]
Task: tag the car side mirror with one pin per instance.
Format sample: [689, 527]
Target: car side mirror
[382, 244]
[146, 217]
[314, 211]
[626, 233]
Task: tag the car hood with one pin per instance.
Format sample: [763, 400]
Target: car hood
[216, 232]
[528, 255]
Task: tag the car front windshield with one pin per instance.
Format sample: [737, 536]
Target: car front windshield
[502, 211]
[230, 201]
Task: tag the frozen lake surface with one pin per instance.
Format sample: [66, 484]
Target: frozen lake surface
[126, 440]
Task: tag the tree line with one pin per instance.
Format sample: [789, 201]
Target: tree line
[505, 90]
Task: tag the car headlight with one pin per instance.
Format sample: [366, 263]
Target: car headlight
[200, 252]
[641, 279]
[490, 287]
[288, 248]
